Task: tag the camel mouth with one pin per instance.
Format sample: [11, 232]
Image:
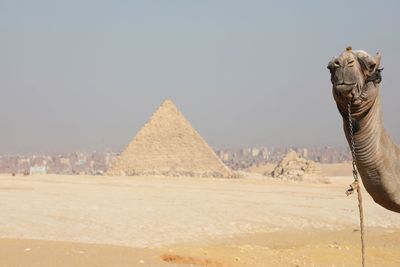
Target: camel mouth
[344, 88]
[347, 92]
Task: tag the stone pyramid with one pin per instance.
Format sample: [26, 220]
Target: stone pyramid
[296, 168]
[168, 145]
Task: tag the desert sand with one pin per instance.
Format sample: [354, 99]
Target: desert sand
[57, 220]
[335, 169]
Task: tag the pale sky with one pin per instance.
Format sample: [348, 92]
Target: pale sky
[86, 75]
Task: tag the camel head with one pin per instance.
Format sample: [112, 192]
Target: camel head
[355, 76]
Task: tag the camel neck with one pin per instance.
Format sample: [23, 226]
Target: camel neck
[367, 140]
[376, 158]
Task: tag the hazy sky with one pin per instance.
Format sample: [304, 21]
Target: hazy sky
[86, 75]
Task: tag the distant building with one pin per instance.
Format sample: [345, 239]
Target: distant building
[255, 152]
[65, 161]
[37, 170]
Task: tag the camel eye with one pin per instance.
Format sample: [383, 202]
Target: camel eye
[372, 67]
[331, 67]
[350, 63]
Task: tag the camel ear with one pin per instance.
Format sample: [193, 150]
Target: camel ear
[377, 58]
[368, 63]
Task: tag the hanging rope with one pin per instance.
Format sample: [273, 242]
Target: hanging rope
[356, 185]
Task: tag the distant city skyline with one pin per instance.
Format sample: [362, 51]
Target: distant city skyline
[87, 75]
[97, 163]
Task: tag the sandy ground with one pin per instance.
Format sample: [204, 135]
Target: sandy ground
[160, 221]
[335, 169]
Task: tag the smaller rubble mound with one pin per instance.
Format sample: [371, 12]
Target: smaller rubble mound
[293, 167]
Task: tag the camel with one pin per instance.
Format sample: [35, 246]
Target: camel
[355, 77]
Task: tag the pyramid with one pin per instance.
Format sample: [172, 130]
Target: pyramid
[168, 145]
[296, 168]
